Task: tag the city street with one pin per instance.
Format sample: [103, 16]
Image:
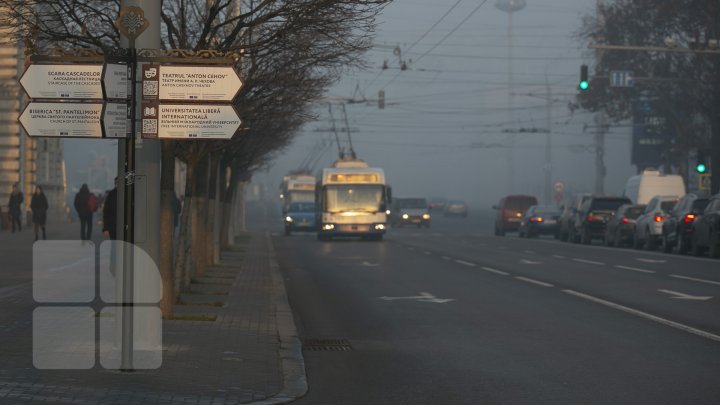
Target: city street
[452, 314]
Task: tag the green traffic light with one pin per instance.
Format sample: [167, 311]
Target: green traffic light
[700, 168]
[584, 85]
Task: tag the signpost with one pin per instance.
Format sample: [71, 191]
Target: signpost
[69, 120]
[621, 78]
[190, 83]
[189, 121]
[704, 182]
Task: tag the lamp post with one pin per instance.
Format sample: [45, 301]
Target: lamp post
[510, 7]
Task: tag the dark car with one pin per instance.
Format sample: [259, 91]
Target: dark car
[592, 218]
[620, 228]
[510, 210]
[539, 220]
[410, 211]
[456, 208]
[677, 227]
[706, 233]
[300, 216]
[569, 215]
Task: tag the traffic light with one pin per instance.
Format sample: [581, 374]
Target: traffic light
[584, 84]
[701, 165]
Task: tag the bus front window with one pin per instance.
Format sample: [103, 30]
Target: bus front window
[363, 198]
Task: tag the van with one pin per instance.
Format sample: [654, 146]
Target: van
[640, 189]
[510, 210]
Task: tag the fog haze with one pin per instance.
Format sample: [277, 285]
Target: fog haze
[444, 128]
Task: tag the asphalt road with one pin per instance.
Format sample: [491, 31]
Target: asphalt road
[452, 314]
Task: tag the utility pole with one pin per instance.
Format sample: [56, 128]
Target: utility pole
[600, 129]
[548, 142]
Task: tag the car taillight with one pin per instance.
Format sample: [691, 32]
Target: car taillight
[625, 221]
[658, 218]
[536, 219]
[689, 218]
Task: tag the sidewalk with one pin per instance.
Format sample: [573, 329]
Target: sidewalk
[250, 353]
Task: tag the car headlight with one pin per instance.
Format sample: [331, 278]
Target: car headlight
[328, 227]
[426, 216]
[405, 216]
[288, 219]
[379, 227]
[387, 212]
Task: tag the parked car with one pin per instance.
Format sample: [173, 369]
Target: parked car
[620, 228]
[456, 208]
[648, 228]
[539, 220]
[410, 211]
[510, 210]
[706, 234]
[592, 217]
[300, 216]
[643, 187]
[677, 228]
[569, 215]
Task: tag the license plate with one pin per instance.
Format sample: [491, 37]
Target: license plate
[551, 222]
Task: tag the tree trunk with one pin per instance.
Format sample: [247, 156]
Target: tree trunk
[211, 211]
[199, 215]
[227, 211]
[167, 227]
[183, 247]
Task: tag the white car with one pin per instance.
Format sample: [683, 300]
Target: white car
[648, 227]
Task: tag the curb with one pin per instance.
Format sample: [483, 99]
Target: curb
[292, 362]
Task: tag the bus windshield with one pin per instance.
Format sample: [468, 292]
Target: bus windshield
[363, 198]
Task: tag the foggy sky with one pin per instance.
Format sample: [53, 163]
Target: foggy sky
[454, 98]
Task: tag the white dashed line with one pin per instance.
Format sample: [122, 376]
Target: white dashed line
[699, 280]
[463, 262]
[558, 256]
[491, 270]
[641, 259]
[645, 315]
[447, 258]
[427, 253]
[634, 269]
[589, 262]
[411, 249]
[533, 281]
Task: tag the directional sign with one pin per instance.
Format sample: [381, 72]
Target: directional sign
[67, 120]
[621, 78]
[115, 81]
[189, 121]
[190, 83]
[559, 186]
[63, 81]
[704, 181]
[115, 121]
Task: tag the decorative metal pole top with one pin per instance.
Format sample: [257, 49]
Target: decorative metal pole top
[131, 22]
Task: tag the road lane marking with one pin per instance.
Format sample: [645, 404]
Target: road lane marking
[463, 262]
[500, 272]
[558, 256]
[645, 315]
[699, 280]
[423, 297]
[368, 264]
[642, 259]
[533, 281]
[589, 262]
[525, 261]
[683, 296]
[427, 253]
[634, 269]
[412, 249]
[447, 258]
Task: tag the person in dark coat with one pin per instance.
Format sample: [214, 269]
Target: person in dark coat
[39, 207]
[110, 214]
[16, 200]
[84, 212]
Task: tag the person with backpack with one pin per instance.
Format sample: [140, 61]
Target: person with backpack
[85, 204]
[39, 207]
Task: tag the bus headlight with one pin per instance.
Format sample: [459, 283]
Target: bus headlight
[387, 212]
[405, 216]
[426, 216]
[288, 219]
[380, 227]
[328, 227]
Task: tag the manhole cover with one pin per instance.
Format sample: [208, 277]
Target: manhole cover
[316, 345]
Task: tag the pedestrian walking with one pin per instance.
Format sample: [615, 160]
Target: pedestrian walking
[39, 207]
[14, 207]
[85, 204]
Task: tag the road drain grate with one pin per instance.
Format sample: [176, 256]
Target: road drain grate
[333, 345]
